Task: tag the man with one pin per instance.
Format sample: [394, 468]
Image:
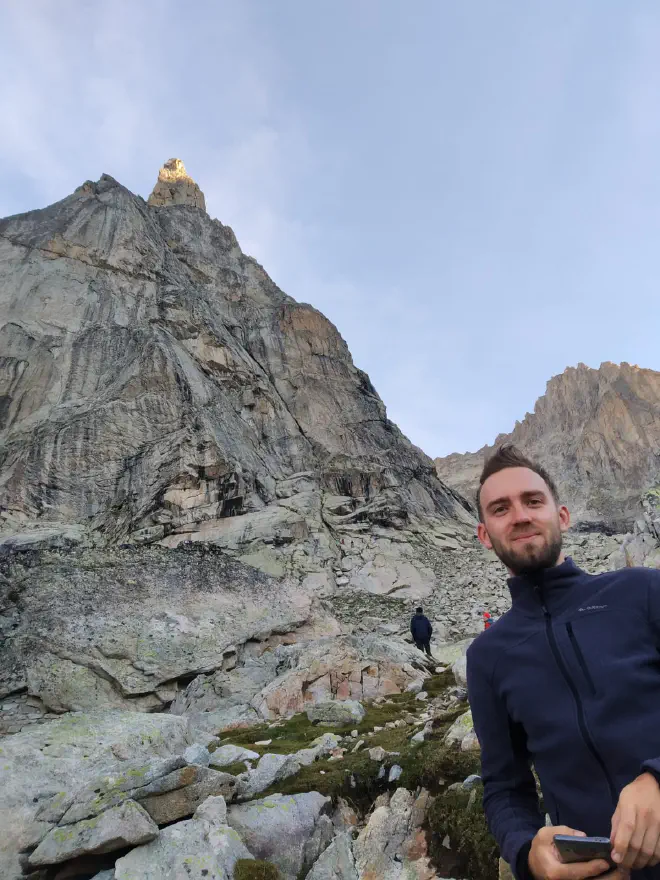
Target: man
[421, 629]
[569, 680]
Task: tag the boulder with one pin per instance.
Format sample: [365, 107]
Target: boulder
[336, 862]
[336, 712]
[279, 828]
[197, 754]
[393, 846]
[270, 769]
[459, 729]
[229, 754]
[41, 766]
[126, 825]
[201, 848]
[173, 805]
[127, 781]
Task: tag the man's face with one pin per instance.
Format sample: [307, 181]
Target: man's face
[521, 520]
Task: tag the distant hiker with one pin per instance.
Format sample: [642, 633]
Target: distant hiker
[488, 620]
[421, 629]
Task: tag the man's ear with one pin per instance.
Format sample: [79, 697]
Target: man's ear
[564, 518]
[483, 536]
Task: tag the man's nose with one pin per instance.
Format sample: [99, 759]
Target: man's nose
[520, 513]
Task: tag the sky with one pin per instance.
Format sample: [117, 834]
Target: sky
[468, 189]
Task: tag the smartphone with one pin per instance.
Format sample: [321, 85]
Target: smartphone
[584, 849]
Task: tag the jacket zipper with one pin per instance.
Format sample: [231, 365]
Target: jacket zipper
[580, 658]
[586, 736]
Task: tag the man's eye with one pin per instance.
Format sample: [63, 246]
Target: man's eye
[499, 510]
[535, 502]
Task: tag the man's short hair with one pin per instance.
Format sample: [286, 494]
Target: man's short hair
[509, 456]
[419, 610]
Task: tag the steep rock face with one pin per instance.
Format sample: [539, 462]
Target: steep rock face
[154, 375]
[156, 387]
[597, 432]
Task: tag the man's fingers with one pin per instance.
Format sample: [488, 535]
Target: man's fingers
[624, 833]
[647, 848]
[581, 870]
[551, 830]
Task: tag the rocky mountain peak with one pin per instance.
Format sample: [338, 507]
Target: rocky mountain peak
[176, 187]
[598, 433]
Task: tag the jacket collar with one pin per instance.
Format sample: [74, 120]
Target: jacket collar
[552, 584]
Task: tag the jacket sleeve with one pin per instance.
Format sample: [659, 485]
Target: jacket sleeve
[511, 802]
[652, 764]
[430, 629]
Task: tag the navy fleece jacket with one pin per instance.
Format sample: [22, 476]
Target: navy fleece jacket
[569, 680]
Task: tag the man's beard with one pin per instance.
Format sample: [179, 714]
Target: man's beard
[530, 558]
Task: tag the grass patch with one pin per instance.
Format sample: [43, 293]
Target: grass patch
[333, 779]
[256, 869]
[235, 768]
[432, 764]
[468, 833]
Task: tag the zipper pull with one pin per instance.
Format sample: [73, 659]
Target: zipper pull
[539, 593]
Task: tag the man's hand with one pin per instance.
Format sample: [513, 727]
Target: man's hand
[545, 864]
[636, 824]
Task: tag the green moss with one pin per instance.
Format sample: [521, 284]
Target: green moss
[255, 869]
[235, 768]
[432, 764]
[466, 826]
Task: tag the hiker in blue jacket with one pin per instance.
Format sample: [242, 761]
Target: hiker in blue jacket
[421, 631]
[567, 680]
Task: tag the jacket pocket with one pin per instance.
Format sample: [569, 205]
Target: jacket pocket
[580, 658]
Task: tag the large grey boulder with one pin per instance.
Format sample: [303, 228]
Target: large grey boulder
[336, 862]
[270, 769]
[336, 712]
[126, 825]
[41, 766]
[201, 848]
[392, 846]
[183, 801]
[279, 828]
[125, 781]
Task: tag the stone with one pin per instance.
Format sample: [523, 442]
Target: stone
[336, 712]
[471, 781]
[470, 743]
[395, 773]
[201, 848]
[41, 766]
[393, 845]
[459, 670]
[197, 754]
[270, 769]
[182, 802]
[130, 781]
[415, 686]
[418, 737]
[126, 825]
[377, 753]
[459, 729]
[422, 695]
[336, 862]
[105, 875]
[327, 744]
[278, 828]
[229, 754]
